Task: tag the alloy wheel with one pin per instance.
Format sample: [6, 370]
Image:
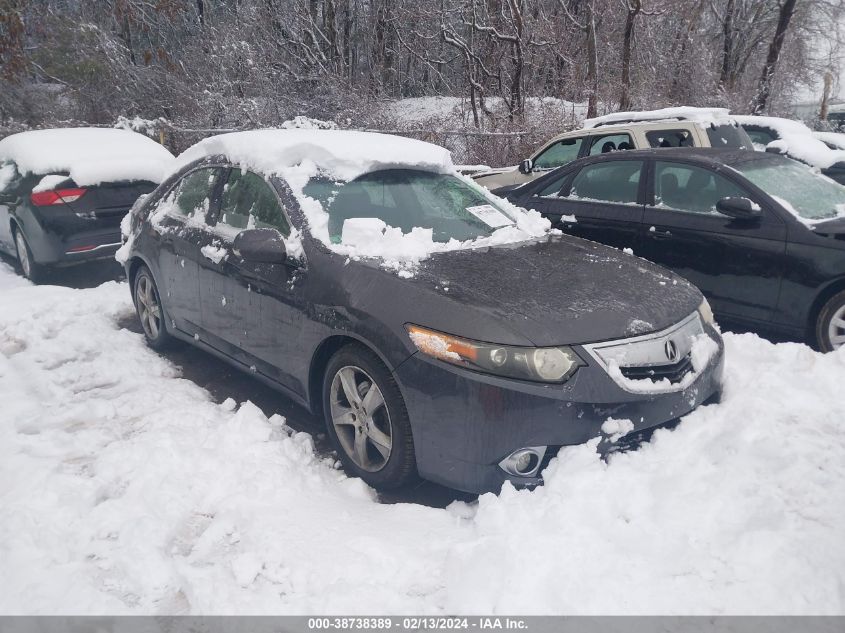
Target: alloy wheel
[836, 328]
[23, 254]
[149, 308]
[360, 418]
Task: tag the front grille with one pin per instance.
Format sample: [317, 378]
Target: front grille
[674, 373]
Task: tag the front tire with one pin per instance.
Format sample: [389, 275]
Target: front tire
[367, 420]
[150, 311]
[830, 326]
[27, 264]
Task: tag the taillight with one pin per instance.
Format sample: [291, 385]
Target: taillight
[55, 196]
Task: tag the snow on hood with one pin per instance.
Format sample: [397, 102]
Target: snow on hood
[90, 155]
[797, 140]
[298, 155]
[705, 116]
[834, 138]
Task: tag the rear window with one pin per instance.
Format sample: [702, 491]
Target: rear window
[730, 136]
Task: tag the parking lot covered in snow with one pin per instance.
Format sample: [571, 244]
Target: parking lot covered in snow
[128, 488]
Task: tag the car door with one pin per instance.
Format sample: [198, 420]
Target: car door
[737, 264]
[178, 219]
[251, 312]
[606, 199]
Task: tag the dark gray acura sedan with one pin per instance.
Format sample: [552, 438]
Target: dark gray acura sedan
[440, 331]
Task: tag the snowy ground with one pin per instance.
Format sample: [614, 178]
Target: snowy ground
[125, 488]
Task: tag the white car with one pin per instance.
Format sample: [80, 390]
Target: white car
[669, 127]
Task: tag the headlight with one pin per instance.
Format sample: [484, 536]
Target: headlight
[706, 313]
[543, 364]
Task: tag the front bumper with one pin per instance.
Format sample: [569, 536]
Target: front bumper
[464, 423]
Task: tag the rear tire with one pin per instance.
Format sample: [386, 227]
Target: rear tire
[830, 325]
[26, 263]
[367, 420]
[150, 311]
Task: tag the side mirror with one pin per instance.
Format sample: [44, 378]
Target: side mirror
[260, 246]
[526, 166]
[776, 147]
[739, 208]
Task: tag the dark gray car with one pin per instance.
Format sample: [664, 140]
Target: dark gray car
[47, 217]
[471, 372]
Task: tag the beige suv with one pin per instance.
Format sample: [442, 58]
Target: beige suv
[672, 127]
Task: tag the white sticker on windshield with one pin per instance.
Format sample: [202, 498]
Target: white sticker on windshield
[490, 215]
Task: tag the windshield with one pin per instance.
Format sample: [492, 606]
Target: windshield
[804, 192]
[731, 136]
[407, 199]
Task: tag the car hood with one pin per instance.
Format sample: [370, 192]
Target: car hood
[494, 171]
[558, 291]
[830, 228]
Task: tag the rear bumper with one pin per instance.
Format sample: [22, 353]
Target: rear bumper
[68, 239]
[464, 423]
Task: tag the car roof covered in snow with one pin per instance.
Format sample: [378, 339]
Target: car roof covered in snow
[89, 155]
[704, 116]
[344, 154]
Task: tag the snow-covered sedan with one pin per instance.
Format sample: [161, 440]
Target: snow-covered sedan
[440, 331]
[63, 192]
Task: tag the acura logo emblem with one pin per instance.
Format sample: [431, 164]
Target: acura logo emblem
[671, 350]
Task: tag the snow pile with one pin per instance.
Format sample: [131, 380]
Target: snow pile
[307, 123]
[703, 116]
[89, 155]
[836, 139]
[214, 253]
[48, 183]
[126, 490]
[796, 140]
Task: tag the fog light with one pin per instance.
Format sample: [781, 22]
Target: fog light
[523, 462]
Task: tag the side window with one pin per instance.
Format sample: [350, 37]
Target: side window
[9, 176]
[553, 188]
[191, 198]
[616, 181]
[610, 143]
[691, 189]
[248, 202]
[559, 154]
[670, 138]
[760, 136]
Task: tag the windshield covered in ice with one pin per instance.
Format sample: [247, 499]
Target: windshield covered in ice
[802, 191]
[408, 200]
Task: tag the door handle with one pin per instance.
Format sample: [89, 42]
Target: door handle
[660, 234]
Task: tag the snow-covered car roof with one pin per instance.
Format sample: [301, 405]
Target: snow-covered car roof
[344, 154]
[704, 116]
[796, 140]
[89, 155]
